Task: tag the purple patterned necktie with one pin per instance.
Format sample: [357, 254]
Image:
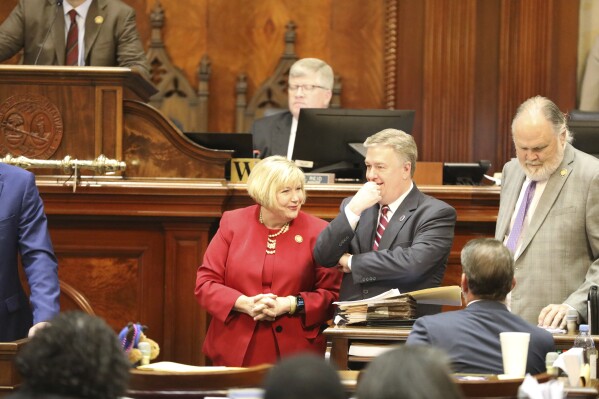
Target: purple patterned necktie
[383, 221]
[512, 240]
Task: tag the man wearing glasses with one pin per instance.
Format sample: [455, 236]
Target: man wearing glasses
[310, 86]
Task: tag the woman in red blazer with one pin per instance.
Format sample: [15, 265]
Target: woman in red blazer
[259, 281]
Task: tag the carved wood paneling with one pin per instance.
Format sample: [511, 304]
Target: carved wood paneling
[463, 65]
[473, 62]
[116, 265]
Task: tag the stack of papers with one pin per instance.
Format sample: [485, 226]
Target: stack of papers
[401, 307]
[394, 308]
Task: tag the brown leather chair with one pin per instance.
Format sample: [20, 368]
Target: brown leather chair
[164, 385]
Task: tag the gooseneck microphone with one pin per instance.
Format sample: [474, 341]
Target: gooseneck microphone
[58, 4]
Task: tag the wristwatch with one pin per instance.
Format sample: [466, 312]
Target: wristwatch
[300, 304]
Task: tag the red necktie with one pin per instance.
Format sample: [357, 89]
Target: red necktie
[380, 230]
[72, 46]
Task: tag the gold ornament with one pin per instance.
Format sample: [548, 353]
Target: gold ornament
[271, 241]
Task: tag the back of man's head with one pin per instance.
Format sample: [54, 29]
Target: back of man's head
[303, 376]
[77, 355]
[489, 268]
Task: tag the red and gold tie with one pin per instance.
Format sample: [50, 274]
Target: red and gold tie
[72, 47]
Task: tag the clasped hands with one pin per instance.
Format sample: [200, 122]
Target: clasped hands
[264, 307]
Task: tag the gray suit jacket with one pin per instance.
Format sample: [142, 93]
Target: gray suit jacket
[559, 259]
[412, 253]
[111, 37]
[271, 134]
[471, 337]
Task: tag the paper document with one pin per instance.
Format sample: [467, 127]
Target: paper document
[182, 368]
[387, 294]
[448, 295]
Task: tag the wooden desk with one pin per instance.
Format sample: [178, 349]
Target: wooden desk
[131, 247]
[340, 339]
[9, 378]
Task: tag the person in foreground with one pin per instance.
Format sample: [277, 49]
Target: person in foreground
[106, 34]
[267, 296]
[310, 85]
[75, 356]
[408, 372]
[472, 339]
[410, 253]
[304, 376]
[556, 243]
[24, 232]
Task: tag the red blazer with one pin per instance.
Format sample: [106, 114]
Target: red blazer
[232, 267]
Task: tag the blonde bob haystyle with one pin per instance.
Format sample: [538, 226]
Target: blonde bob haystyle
[269, 176]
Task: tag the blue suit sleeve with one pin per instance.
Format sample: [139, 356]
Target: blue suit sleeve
[37, 255]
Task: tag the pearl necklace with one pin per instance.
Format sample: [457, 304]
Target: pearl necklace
[271, 241]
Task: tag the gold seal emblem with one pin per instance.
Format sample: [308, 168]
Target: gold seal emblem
[299, 239]
[563, 172]
[30, 125]
[99, 19]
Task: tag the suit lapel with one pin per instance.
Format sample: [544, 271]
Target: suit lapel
[554, 187]
[366, 228]
[93, 25]
[512, 192]
[58, 34]
[400, 217]
[281, 133]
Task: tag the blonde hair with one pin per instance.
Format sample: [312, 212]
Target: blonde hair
[402, 143]
[269, 176]
[307, 66]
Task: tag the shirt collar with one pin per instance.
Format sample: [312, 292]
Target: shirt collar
[395, 204]
[81, 10]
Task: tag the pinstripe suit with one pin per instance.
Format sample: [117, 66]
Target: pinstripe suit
[559, 257]
[412, 253]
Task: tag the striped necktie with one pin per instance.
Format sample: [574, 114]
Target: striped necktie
[380, 230]
[72, 47]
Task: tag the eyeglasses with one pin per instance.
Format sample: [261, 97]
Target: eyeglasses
[305, 88]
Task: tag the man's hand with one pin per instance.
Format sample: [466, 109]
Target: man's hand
[343, 265]
[368, 195]
[36, 327]
[554, 316]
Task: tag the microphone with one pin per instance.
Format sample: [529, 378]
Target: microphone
[58, 4]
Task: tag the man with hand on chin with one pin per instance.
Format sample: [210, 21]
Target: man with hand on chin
[389, 235]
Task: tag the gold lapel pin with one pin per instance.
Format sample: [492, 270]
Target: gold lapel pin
[563, 172]
[299, 239]
[99, 19]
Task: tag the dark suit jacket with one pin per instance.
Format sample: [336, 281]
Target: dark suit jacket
[412, 254]
[233, 265]
[271, 134]
[471, 337]
[111, 37]
[23, 229]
